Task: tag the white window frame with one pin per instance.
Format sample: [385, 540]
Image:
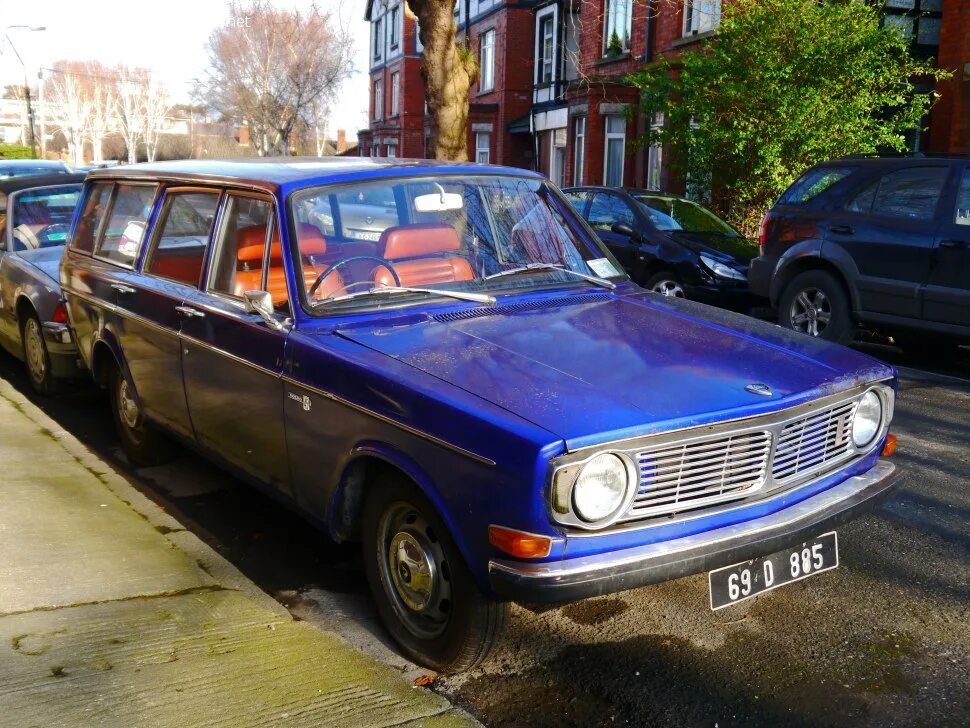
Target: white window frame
[395, 93]
[393, 21]
[557, 168]
[701, 16]
[391, 151]
[483, 147]
[579, 150]
[611, 136]
[611, 8]
[378, 99]
[542, 63]
[377, 34]
[487, 60]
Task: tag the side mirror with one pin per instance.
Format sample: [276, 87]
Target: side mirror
[261, 303]
[621, 229]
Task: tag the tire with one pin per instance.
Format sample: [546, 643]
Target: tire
[36, 357]
[666, 284]
[143, 445]
[816, 303]
[437, 614]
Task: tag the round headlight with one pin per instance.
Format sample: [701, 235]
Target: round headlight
[600, 488]
[867, 420]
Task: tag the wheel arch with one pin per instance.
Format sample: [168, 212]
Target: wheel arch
[813, 260]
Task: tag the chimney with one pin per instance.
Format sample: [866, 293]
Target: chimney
[341, 141]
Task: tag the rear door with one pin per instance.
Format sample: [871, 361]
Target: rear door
[888, 228]
[155, 307]
[232, 360]
[946, 298]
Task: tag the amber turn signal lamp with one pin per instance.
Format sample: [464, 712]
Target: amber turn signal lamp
[890, 447]
[518, 543]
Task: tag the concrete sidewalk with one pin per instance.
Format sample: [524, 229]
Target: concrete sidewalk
[111, 613]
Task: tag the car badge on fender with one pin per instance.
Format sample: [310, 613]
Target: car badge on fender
[302, 399]
[758, 388]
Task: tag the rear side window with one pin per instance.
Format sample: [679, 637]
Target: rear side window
[577, 199]
[95, 206]
[908, 193]
[130, 207]
[813, 183]
[183, 236]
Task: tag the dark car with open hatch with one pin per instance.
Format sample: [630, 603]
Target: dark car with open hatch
[478, 394]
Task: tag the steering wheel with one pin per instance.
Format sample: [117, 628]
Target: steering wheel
[336, 266]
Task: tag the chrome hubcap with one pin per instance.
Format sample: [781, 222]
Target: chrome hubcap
[34, 349]
[414, 571]
[668, 288]
[811, 312]
[127, 406]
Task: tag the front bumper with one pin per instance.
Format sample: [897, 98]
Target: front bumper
[590, 576]
[760, 272]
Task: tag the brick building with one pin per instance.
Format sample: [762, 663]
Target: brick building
[552, 95]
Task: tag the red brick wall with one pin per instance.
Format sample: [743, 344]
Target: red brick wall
[950, 120]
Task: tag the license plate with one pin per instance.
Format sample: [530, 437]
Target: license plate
[734, 584]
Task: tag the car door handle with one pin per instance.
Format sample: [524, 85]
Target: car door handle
[953, 244]
[842, 229]
[189, 312]
[122, 288]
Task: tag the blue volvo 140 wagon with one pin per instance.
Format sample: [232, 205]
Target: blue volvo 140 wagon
[442, 362]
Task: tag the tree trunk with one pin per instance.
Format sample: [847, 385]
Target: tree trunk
[448, 70]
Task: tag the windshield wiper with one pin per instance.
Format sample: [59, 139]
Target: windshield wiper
[460, 295]
[551, 266]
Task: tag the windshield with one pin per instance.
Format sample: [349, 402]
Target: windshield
[442, 233]
[41, 218]
[674, 213]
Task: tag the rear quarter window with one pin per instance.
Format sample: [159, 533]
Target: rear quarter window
[813, 183]
[92, 215]
[124, 230]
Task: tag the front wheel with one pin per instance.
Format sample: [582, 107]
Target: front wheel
[815, 303]
[425, 594]
[143, 445]
[666, 284]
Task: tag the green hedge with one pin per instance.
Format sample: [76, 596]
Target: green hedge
[14, 151]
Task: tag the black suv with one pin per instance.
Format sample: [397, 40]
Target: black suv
[882, 241]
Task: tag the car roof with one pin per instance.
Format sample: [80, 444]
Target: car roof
[274, 172]
[4, 162]
[629, 191]
[31, 181]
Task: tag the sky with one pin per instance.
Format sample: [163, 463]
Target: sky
[168, 37]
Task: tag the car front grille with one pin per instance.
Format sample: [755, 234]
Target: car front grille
[693, 474]
[814, 443]
[696, 472]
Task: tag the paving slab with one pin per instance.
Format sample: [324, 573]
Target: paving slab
[112, 614]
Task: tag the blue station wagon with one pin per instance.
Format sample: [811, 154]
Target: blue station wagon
[443, 362]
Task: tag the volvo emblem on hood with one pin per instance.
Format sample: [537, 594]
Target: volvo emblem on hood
[758, 388]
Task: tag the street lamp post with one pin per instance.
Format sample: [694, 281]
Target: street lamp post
[30, 110]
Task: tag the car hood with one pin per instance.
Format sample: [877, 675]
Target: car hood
[48, 260]
[736, 252]
[596, 367]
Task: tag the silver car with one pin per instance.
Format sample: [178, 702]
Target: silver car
[35, 220]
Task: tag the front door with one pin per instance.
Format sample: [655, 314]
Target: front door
[889, 229]
[232, 360]
[156, 310]
[607, 210]
[946, 299]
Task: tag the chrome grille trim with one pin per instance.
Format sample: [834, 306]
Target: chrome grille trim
[689, 473]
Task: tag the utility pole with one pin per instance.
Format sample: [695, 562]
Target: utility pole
[30, 110]
[43, 114]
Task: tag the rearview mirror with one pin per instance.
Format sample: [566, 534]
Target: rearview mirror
[261, 303]
[439, 202]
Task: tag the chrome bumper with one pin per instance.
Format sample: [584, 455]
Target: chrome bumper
[55, 333]
[588, 576]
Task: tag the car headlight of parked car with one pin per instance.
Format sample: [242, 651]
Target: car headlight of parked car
[868, 419]
[594, 494]
[721, 270]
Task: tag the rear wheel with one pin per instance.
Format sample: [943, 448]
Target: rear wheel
[143, 445]
[426, 596]
[666, 284]
[815, 303]
[36, 357]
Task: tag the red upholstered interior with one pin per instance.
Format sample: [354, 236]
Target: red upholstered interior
[420, 256]
[250, 251]
[179, 264]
